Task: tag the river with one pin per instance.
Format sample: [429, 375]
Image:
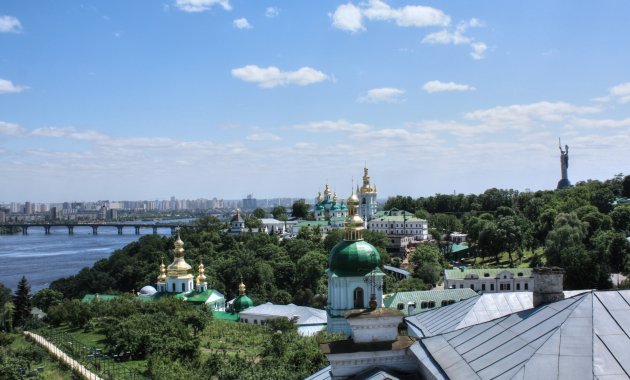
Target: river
[44, 258]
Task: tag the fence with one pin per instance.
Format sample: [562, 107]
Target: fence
[88, 361]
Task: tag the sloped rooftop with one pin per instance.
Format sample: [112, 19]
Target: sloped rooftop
[460, 274]
[306, 315]
[392, 300]
[472, 311]
[583, 337]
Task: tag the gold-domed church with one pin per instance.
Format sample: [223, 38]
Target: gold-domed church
[355, 280]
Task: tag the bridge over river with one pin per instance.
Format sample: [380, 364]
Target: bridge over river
[137, 227]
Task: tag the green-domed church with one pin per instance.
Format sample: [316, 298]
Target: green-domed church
[355, 280]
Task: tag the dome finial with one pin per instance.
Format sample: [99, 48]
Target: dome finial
[241, 287]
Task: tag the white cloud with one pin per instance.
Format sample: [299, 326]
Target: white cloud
[458, 37]
[599, 123]
[10, 129]
[194, 6]
[410, 15]
[7, 87]
[269, 77]
[10, 24]
[526, 113]
[383, 95]
[272, 12]
[242, 23]
[437, 86]
[340, 125]
[348, 17]
[263, 137]
[621, 92]
[479, 49]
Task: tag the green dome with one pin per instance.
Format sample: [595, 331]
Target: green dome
[353, 258]
[241, 303]
[319, 207]
[335, 207]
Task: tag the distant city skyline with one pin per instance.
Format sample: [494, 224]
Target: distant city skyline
[221, 98]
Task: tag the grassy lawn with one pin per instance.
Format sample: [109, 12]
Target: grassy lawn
[97, 340]
[232, 338]
[51, 368]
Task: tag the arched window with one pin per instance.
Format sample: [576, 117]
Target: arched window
[358, 298]
[183, 287]
[173, 287]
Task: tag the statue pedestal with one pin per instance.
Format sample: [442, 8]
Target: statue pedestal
[563, 184]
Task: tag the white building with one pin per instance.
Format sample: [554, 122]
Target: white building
[490, 280]
[308, 320]
[399, 223]
[367, 198]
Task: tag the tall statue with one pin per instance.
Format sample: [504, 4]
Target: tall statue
[564, 165]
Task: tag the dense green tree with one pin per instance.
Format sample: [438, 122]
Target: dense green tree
[310, 269]
[46, 298]
[22, 302]
[279, 212]
[511, 236]
[621, 218]
[300, 209]
[401, 203]
[259, 213]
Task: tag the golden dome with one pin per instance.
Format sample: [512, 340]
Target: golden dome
[335, 197]
[327, 190]
[320, 199]
[179, 266]
[241, 287]
[162, 276]
[354, 223]
[201, 277]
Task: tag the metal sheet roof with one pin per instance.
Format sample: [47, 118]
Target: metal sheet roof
[582, 337]
[392, 300]
[306, 315]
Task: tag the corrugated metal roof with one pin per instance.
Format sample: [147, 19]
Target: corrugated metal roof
[322, 374]
[306, 315]
[472, 311]
[583, 337]
[458, 274]
[397, 270]
[393, 300]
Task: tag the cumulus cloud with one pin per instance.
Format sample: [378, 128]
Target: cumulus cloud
[340, 125]
[195, 6]
[621, 92]
[263, 137]
[437, 86]
[525, 113]
[7, 87]
[457, 36]
[479, 49]
[272, 12]
[350, 17]
[10, 24]
[270, 77]
[10, 129]
[383, 95]
[242, 23]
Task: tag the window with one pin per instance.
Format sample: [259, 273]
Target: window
[518, 286]
[504, 286]
[423, 305]
[520, 274]
[444, 302]
[483, 287]
[486, 274]
[472, 286]
[183, 287]
[173, 288]
[431, 304]
[401, 306]
[461, 286]
[358, 298]
[526, 286]
[255, 321]
[491, 287]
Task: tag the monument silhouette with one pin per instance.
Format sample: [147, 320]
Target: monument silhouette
[564, 165]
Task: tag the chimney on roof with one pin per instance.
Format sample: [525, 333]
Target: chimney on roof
[547, 285]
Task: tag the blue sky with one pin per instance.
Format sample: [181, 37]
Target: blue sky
[221, 98]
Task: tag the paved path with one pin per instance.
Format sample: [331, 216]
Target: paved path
[87, 374]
